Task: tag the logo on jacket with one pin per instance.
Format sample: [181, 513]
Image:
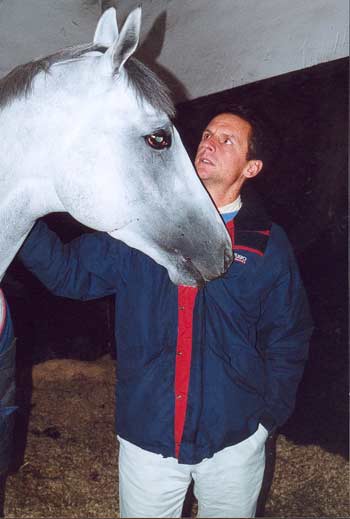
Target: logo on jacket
[240, 258]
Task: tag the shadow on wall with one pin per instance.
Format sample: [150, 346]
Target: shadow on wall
[150, 50]
[304, 187]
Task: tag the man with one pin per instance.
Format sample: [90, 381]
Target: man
[202, 375]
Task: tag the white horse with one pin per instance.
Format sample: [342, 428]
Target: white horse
[88, 131]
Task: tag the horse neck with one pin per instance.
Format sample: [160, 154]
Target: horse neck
[16, 220]
[9, 246]
[25, 192]
[22, 201]
[26, 189]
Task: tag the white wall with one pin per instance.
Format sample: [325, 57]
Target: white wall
[32, 28]
[207, 45]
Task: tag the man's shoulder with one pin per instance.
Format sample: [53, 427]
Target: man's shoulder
[279, 250]
[278, 237]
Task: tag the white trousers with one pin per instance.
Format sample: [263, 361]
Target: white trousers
[226, 485]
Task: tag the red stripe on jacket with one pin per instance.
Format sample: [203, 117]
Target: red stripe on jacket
[230, 226]
[186, 301]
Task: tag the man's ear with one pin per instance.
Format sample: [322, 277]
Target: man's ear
[253, 168]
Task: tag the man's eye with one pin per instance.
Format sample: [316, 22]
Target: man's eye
[159, 140]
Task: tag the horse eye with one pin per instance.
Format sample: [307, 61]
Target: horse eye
[159, 140]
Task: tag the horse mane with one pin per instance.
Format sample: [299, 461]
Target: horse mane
[145, 83]
[148, 86]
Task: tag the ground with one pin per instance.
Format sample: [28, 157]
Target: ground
[69, 468]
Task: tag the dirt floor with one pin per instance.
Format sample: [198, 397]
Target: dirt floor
[69, 467]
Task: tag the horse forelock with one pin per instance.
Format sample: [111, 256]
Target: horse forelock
[146, 84]
[20, 80]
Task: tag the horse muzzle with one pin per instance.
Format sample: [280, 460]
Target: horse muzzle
[189, 271]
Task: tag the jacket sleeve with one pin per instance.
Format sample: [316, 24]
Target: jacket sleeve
[283, 338]
[86, 268]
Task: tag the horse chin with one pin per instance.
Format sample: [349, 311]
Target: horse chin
[186, 281]
[180, 271]
[188, 276]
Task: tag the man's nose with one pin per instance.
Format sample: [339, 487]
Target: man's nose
[209, 143]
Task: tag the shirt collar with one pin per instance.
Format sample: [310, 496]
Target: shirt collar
[232, 207]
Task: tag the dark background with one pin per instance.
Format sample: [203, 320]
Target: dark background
[304, 186]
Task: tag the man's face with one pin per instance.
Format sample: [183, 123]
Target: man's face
[221, 160]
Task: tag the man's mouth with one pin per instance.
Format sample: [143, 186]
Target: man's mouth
[204, 160]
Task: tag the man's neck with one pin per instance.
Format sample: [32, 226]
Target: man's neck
[221, 195]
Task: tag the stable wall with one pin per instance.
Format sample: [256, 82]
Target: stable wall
[200, 46]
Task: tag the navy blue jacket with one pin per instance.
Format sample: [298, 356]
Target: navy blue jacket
[249, 334]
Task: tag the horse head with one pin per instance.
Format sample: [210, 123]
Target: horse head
[103, 141]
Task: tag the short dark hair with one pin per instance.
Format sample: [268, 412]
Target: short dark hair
[256, 137]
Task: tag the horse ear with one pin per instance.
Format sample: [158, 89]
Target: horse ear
[107, 29]
[128, 39]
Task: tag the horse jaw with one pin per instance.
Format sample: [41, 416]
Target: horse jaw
[180, 270]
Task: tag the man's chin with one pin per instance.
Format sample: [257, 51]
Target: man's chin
[203, 170]
[204, 174]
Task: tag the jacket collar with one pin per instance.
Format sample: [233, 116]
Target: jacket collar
[252, 215]
[250, 230]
